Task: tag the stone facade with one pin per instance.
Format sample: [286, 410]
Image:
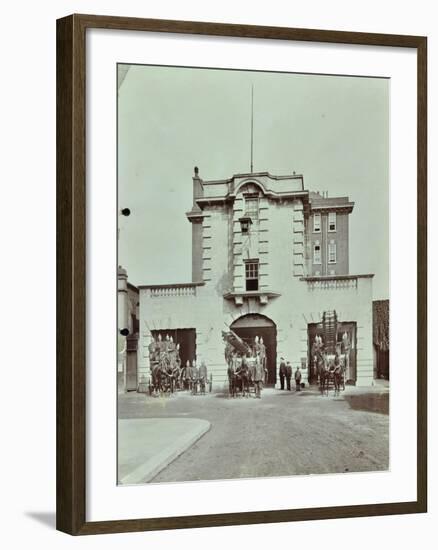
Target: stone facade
[253, 258]
[127, 319]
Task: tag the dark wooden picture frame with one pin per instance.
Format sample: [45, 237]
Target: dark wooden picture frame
[71, 272]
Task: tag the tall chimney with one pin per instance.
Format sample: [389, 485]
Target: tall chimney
[195, 217]
[198, 190]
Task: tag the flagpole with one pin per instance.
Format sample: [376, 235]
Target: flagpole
[252, 127]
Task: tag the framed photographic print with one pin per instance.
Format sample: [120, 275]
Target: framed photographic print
[241, 288]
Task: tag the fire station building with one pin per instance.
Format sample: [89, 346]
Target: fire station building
[269, 257]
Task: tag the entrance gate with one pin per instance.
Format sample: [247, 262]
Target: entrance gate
[248, 327]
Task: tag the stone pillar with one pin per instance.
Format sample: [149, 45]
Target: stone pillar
[197, 250]
[298, 239]
[122, 322]
[263, 242]
[237, 250]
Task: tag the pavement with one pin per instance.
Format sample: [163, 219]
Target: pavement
[147, 445]
[169, 439]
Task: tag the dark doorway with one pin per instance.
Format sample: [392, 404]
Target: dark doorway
[252, 325]
[131, 362]
[382, 363]
[185, 337]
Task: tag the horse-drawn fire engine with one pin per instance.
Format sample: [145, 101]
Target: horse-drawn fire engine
[329, 355]
[243, 362]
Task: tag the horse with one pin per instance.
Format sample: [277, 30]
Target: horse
[323, 369]
[337, 379]
[155, 386]
[331, 368]
[162, 375]
[172, 376]
[172, 364]
[324, 379]
[231, 380]
[242, 375]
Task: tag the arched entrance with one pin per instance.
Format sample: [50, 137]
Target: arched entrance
[248, 327]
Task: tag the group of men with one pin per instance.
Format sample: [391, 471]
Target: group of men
[285, 372]
[193, 377]
[166, 353]
[159, 348]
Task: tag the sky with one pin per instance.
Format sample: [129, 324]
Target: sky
[334, 130]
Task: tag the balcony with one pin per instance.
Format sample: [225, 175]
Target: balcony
[334, 282]
[171, 291]
[240, 297]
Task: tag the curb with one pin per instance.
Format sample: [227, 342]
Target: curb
[149, 469]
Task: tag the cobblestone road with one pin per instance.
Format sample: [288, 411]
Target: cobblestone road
[284, 433]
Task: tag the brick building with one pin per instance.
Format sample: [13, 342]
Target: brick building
[268, 259]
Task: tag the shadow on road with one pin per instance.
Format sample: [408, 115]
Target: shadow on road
[287, 393]
[226, 395]
[222, 395]
[370, 402]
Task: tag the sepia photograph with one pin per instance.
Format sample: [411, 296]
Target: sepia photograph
[253, 268]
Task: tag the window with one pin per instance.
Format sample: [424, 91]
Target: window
[332, 252]
[317, 253]
[245, 224]
[332, 221]
[316, 223]
[252, 208]
[252, 275]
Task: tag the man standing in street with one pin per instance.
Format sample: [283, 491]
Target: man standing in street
[298, 379]
[259, 375]
[160, 348]
[288, 375]
[195, 377]
[282, 372]
[262, 350]
[188, 376]
[202, 375]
